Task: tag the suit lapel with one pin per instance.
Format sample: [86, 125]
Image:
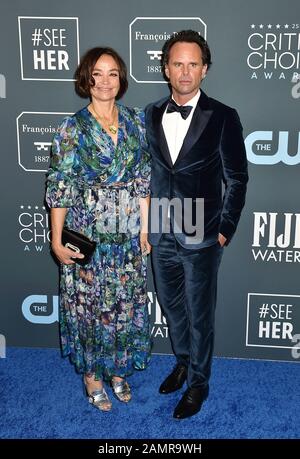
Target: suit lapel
[157, 114]
[199, 122]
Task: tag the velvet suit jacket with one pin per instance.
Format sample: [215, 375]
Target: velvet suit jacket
[211, 164]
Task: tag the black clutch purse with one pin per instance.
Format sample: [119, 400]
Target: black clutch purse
[79, 243]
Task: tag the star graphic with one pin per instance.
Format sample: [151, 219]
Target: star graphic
[269, 26]
[252, 26]
[278, 26]
[286, 26]
[261, 26]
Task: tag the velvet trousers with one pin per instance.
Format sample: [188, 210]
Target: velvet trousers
[186, 287]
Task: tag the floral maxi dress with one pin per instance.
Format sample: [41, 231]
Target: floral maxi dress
[104, 324]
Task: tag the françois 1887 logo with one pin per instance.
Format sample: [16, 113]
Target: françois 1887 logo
[147, 36]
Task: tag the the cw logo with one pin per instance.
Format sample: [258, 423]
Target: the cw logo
[34, 305]
[262, 141]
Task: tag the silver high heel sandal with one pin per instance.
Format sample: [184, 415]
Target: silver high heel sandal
[121, 390]
[98, 398]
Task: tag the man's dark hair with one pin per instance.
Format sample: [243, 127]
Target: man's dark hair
[189, 36]
[83, 74]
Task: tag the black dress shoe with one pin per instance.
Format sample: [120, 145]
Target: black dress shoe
[191, 402]
[174, 381]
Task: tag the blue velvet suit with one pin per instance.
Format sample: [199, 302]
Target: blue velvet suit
[211, 165]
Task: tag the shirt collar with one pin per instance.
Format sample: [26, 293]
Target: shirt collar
[193, 102]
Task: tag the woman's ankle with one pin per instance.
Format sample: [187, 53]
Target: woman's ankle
[90, 380]
[117, 378]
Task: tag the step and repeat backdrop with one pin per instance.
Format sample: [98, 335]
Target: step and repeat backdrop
[256, 69]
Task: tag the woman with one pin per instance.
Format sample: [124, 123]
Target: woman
[98, 185]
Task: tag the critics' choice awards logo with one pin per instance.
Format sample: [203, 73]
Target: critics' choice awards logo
[269, 148]
[49, 48]
[35, 131]
[274, 51]
[276, 237]
[273, 320]
[147, 36]
[33, 226]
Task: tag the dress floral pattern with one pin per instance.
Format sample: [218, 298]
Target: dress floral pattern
[104, 323]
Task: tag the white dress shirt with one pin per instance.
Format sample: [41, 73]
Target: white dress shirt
[175, 127]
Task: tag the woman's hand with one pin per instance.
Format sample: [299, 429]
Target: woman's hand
[65, 255]
[145, 246]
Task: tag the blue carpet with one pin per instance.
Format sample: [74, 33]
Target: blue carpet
[41, 396]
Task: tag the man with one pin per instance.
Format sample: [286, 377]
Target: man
[196, 145]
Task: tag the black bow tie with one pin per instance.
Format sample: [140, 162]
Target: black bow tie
[184, 110]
